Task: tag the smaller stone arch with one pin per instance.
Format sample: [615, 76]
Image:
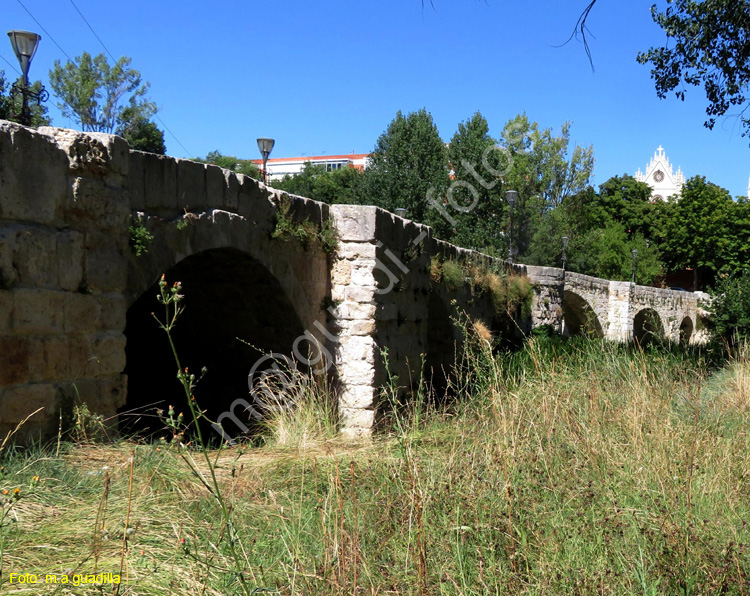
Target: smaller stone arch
[686, 331]
[579, 318]
[647, 327]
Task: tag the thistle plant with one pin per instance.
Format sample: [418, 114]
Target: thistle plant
[172, 300]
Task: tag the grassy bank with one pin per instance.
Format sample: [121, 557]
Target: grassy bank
[567, 468]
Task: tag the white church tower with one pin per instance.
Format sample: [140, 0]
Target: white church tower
[659, 176]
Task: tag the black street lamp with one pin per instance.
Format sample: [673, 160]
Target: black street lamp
[634, 252]
[25, 44]
[512, 197]
[565, 251]
[265, 146]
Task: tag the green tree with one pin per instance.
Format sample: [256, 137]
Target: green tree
[142, 134]
[625, 200]
[697, 232]
[544, 171]
[475, 196]
[408, 164]
[10, 108]
[730, 307]
[100, 97]
[230, 162]
[314, 182]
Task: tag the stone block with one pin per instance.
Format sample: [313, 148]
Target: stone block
[231, 191]
[112, 393]
[356, 250]
[106, 261]
[356, 421]
[49, 358]
[94, 203]
[38, 311]
[361, 327]
[355, 222]
[70, 259]
[357, 397]
[34, 171]
[341, 273]
[82, 313]
[362, 273]
[215, 184]
[353, 310]
[79, 356]
[15, 356]
[118, 152]
[160, 183]
[356, 372]
[113, 310]
[108, 355]
[35, 257]
[8, 273]
[356, 347]
[6, 310]
[87, 155]
[361, 294]
[191, 185]
[19, 402]
[136, 182]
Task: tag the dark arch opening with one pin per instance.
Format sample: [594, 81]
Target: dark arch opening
[443, 341]
[228, 295]
[579, 318]
[686, 331]
[647, 327]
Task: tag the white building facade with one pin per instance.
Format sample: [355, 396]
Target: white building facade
[662, 179]
[290, 166]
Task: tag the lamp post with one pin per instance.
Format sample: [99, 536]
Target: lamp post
[634, 252]
[25, 44]
[400, 211]
[265, 146]
[511, 196]
[565, 251]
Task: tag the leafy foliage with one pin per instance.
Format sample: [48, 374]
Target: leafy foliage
[314, 182]
[730, 308]
[710, 48]
[104, 98]
[230, 162]
[408, 162]
[9, 109]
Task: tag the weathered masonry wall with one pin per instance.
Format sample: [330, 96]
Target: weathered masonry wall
[76, 302]
[63, 270]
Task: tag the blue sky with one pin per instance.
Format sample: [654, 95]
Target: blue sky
[327, 77]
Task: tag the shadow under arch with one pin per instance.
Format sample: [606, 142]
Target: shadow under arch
[228, 295]
[579, 318]
[647, 327]
[444, 342]
[686, 331]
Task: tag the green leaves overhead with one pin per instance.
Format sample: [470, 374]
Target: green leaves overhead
[708, 45]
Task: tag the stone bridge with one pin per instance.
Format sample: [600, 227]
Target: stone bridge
[265, 286]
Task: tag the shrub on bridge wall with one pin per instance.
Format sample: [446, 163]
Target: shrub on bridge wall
[308, 233]
[510, 294]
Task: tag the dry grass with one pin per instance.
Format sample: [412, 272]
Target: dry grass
[569, 468]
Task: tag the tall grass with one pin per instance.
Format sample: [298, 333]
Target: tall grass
[576, 467]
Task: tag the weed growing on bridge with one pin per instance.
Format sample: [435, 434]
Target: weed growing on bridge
[308, 233]
[140, 238]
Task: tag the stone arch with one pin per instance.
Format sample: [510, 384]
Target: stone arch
[578, 317]
[228, 295]
[686, 330]
[647, 327]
